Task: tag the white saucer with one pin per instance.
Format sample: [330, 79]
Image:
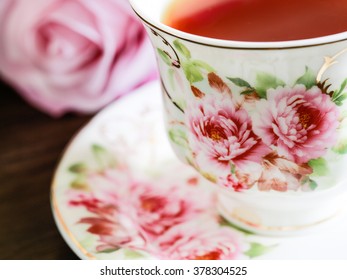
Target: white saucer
[120, 193]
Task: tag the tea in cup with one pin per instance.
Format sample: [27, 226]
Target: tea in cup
[257, 20]
[263, 119]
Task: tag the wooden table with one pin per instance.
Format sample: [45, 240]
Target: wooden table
[31, 144]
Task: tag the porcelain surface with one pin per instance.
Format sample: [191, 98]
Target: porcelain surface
[120, 193]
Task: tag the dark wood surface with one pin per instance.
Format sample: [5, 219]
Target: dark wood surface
[31, 144]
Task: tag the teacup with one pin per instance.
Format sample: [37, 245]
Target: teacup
[266, 122]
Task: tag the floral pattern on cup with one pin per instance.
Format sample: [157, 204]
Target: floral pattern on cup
[301, 123]
[267, 136]
[162, 218]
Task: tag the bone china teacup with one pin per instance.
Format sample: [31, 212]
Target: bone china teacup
[266, 122]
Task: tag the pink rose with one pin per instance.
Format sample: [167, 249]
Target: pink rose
[109, 215]
[231, 181]
[114, 228]
[129, 213]
[204, 240]
[221, 134]
[301, 123]
[73, 55]
[159, 208]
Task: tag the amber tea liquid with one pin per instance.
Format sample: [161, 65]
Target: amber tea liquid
[258, 20]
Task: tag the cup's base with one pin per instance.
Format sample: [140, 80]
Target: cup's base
[261, 215]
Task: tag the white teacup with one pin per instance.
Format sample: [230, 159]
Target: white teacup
[265, 121]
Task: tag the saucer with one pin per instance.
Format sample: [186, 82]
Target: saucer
[119, 192]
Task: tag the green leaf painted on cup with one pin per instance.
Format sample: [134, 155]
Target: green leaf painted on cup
[232, 168]
[203, 65]
[165, 57]
[240, 82]
[308, 79]
[171, 76]
[266, 81]
[340, 99]
[341, 89]
[248, 91]
[309, 182]
[192, 72]
[182, 49]
[313, 184]
[257, 250]
[343, 85]
[339, 96]
[319, 166]
[341, 147]
[178, 137]
[247, 88]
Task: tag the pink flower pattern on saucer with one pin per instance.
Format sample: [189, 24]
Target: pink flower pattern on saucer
[167, 218]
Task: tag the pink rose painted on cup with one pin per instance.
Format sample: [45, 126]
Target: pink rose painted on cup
[231, 182]
[301, 123]
[73, 55]
[199, 241]
[221, 134]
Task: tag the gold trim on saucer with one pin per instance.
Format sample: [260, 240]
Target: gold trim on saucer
[59, 218]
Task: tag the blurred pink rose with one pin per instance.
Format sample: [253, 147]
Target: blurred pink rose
[114, 228]
[73, 55]
[132, 214]
[199, 241]
[158, 208]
